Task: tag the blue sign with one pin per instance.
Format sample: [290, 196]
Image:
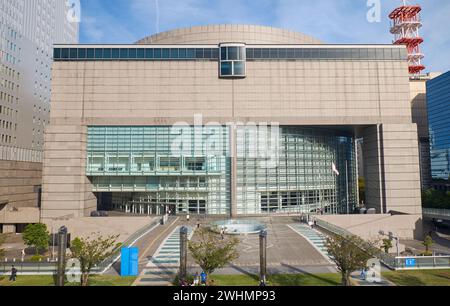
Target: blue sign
[410, 263]
[129, 263]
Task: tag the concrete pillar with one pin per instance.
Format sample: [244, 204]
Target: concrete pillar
[391, 168]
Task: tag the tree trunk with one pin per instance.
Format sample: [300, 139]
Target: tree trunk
[85, 279]
[346, 279]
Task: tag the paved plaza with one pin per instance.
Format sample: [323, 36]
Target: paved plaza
[291, 248]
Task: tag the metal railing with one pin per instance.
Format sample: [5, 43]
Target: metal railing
[422, 262]
[386, 259]
[436, 212]
[394, 263]
[50, 267]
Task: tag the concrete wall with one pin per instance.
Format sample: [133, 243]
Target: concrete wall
[19, 193]
[90, 227]
[165, 92]
[66, 189]
[19, 182]
[369, 226]
[391, 167]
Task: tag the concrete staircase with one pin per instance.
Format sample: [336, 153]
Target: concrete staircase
[162, 267]
[317, 239]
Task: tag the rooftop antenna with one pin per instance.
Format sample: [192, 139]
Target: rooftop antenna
[405, 25]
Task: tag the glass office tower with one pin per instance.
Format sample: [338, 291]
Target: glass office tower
[438, 97]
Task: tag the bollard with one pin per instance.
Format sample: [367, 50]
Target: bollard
[62, 245]
[263, 256]
[183, 253]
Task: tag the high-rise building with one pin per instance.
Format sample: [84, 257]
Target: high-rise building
[438, 96]
[28, 30]
[114, 141]
[420, 117]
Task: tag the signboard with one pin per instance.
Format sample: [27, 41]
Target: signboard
[373, 271]
[410, 263]
[129, 263]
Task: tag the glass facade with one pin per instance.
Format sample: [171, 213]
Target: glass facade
[190, 168]
[297, 175]
[151, 54]
[143, 163]
[438, 100]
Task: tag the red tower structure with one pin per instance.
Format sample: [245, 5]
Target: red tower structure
[405, 26]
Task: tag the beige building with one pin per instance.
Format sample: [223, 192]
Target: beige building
[28, 30]
[110, 143]
[418, 87]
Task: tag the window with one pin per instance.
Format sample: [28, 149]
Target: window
[131, 53]
[123, 53]
[73, 53]
[107, 53]
[90, 53]
[98, 53]
[57, 53]
[226, 69]
[232, 60]
[140, 53]
[64, 53]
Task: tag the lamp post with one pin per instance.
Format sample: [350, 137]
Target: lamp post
[392, 237]
[263, 256]
[62, 245]
[183, 252]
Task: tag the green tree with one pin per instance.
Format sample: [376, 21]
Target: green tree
[432, 198]
[387, 245]
[210, 252]
[36, 236]
[428, 243]
[348, 255]
[93, 251]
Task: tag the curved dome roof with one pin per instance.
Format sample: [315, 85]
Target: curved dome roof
[215, 34]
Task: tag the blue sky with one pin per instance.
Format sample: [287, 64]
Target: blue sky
[332, 21]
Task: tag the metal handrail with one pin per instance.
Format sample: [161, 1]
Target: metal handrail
[436, 212]
[387, 259]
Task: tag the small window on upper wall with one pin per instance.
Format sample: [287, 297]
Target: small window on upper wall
[232, 63]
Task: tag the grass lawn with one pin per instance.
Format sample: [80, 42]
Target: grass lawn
[279, 280]
[419, 278]
[47, 280]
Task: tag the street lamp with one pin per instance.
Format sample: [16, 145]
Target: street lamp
[263, 256]
[62, 246]
[392, 237]
[183, 253]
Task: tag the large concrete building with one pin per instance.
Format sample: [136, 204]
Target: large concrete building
[438, 95]
[28, 30]
[115, 141]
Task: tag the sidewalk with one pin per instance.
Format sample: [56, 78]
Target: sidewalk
[357, 281]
